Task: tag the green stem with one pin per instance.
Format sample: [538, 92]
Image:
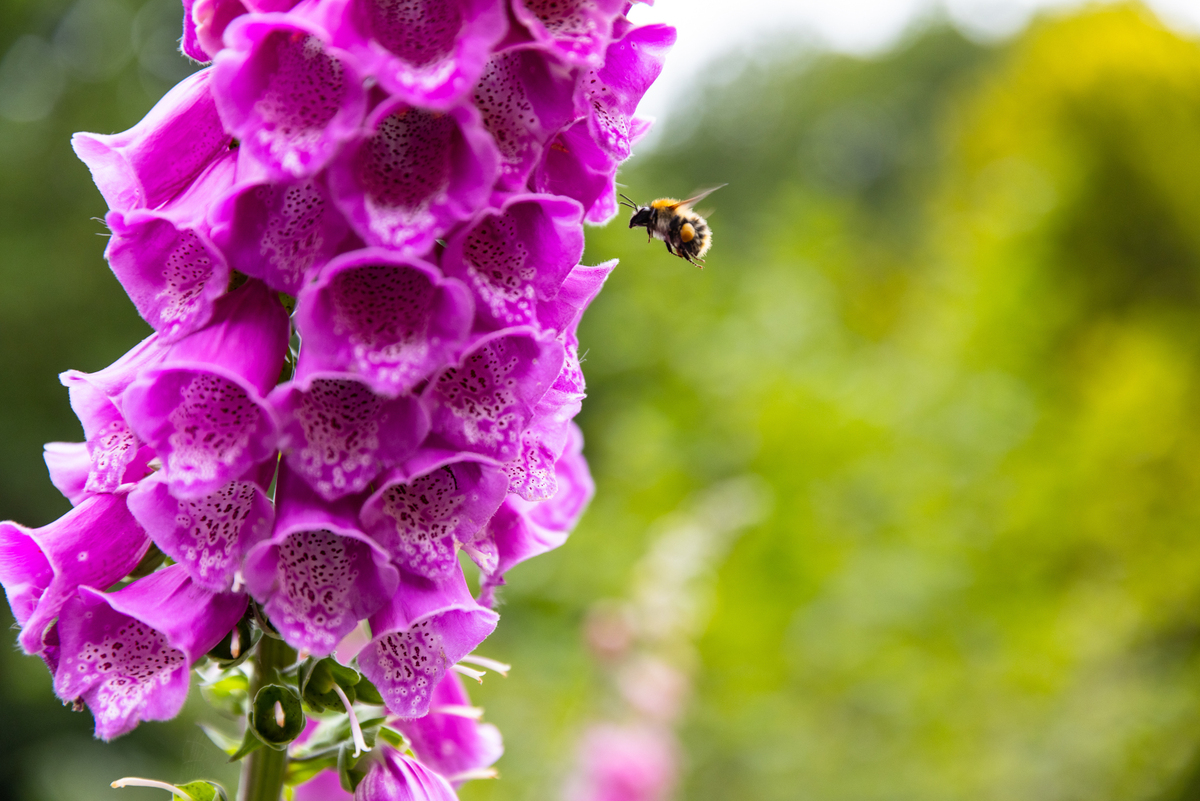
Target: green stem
[263, 770]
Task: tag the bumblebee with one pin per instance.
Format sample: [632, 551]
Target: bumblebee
[685, 233]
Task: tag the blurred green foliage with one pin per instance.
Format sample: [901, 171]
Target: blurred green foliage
[950, 317]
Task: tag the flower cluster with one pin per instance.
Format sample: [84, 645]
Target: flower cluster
[357, 236]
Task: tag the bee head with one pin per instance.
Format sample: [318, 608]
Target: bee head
[640, 218]
[641, 214]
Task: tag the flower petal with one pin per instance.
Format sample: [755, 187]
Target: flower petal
[415, 174]
[127, 653]
[525, 96]
[319, 574]
[426, 628]
[159, 157]
[282, 233]
[427, 52]
[286, 93]
[448, 743]
[393, 321]
[421, 518]
[517, 255]
[208, 536]
[484, 403]
[97, 543]
[338, 434]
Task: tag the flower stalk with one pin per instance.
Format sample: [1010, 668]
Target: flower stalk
[264, 770]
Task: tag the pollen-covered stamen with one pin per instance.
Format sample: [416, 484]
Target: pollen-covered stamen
[489, 664]
[280, 718]
[469, 672]
[235, 648]
[134, 781]
[360, 744]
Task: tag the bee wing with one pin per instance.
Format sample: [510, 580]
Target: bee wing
[698, 197]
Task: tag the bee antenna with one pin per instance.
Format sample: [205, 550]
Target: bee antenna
[625, 201]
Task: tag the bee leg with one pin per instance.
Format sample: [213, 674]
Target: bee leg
[669, 249]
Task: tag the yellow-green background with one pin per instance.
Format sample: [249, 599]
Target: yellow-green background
[952, 318]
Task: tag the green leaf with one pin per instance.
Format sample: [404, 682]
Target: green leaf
[366, 692]
[230, 693]
[317, 678]
[301, 770]
[346, 762]
[250, 744]
[392, 737]
[220, 739]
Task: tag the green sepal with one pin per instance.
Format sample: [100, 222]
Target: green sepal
[316, 679]
[301, 770]
[250, 744]
[220, 739]
[248, 637]
[367, 693]
[392, 737]
[346, 762]
[204, 791]
[264, 624]
[262, 718]
[230, 693]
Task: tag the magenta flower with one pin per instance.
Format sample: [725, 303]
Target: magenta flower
[525, 96]
[357, 238]
[126, 654]
[414, 175]
[423, 513]
[428, 53]
[209, 535]
[338, 434]
[70, 466]
[521, 530]
[165, 259]
[395, 777]
[158, 158]
[425, 629]
[289, 96]
[516, 257]
[202, 407]
[483, 403]
[281, 233]
[97, 543]
[611, 93]
[319, 574]
[578, 30]
[625, 763]
[393, 321]
[450, 740]
[115, 455]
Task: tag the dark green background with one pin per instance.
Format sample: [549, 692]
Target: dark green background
[950, 318]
